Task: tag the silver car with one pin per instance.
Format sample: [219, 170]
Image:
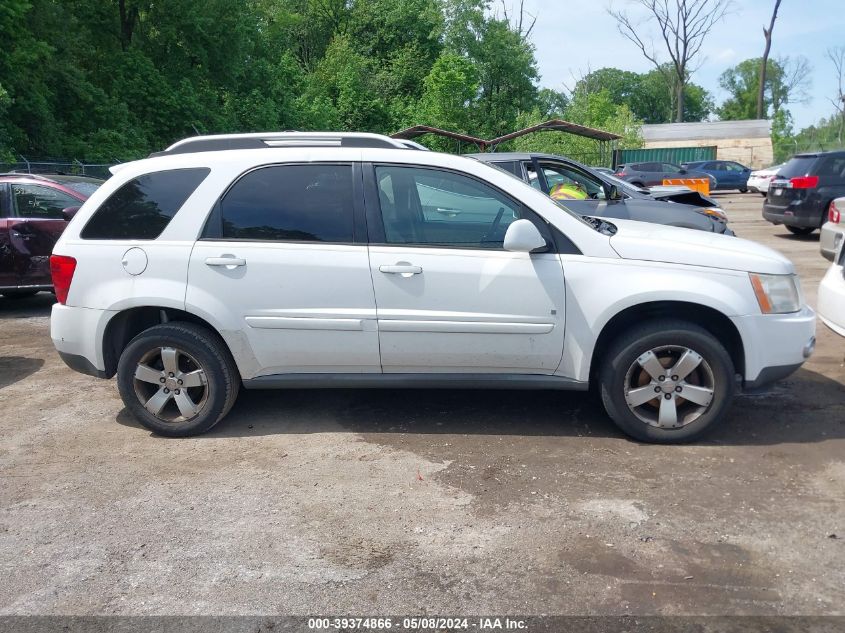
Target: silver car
[833, 231]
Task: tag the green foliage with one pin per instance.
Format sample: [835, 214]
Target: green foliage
[648, 95]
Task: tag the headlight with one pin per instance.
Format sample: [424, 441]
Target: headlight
[714, 212]
[776, 294]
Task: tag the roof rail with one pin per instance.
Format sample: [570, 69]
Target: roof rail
[24, 174]
[263, 140]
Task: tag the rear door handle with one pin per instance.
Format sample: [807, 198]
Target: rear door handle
[401, 269]
[229, 262]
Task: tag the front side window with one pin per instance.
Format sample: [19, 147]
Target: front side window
[439, 208]
[569, 183]
[142, 207]
[302, 203]
[670, 168]
[36, 201]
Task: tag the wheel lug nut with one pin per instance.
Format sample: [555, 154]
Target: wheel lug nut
[171, 374]
[176, 392]
[166, 390]
[179, 381]
[162, 379]
[668, 396]
[661, 378]
[675, 378]
[657, 390]
[679, 389]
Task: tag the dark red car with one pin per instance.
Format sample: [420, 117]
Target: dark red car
[34, 210]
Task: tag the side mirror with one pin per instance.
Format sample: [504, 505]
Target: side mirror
[613, 193]
[682, 171]
[69, 212]
[523, 237]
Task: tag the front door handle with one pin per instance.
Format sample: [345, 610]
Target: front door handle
[406, 270]
[228, 262]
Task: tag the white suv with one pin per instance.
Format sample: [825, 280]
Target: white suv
[350, 260]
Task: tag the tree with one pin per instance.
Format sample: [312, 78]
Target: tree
[837, 57]
[761, 84]
[646, 95]
[787, 81]
[683, 26]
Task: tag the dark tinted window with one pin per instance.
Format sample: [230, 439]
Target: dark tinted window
[85, 187]
[37, 201]
[798, 166]
[832, 166]
[309, 203]
[143, 207]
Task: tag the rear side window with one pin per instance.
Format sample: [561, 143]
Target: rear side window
[798, 166]
[143, 207]
[832, 166]
[301, 203]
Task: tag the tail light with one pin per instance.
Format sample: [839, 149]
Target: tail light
[62, 268]
[804, 182]
[619, 174]
[834, 215]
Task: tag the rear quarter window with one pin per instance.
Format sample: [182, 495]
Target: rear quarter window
[142, 207]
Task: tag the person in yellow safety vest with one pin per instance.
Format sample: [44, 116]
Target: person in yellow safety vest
[568, 191]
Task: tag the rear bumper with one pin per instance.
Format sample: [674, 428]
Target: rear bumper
[831, 299]
[803, 213]
[775, 344]
[77, 335]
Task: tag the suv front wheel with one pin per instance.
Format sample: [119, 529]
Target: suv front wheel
[177, 379]
[667, 381]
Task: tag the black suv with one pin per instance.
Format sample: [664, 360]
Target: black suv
[800, 194]
[605, 196]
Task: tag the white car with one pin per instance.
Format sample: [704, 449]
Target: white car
[759, 180]
[832, 294]
[832, 233]
[289, 260]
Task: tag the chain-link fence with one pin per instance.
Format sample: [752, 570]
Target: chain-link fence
[75, 167]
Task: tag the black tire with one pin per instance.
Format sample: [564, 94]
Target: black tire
[625, 351]
[799, 230]
[743, 190]
[762, 193]
[204, 350]
[18, 294]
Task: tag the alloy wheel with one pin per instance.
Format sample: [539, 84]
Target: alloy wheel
[171, 384]
[669, 387]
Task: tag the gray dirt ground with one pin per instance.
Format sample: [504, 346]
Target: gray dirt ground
[408, 502]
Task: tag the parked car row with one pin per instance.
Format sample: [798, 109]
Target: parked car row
[34, 210]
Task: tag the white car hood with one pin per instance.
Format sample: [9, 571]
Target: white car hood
[658, 243]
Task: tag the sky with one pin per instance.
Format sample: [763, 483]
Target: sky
[574, 36]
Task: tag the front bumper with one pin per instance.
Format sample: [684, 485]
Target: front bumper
[775, 344]
[77, 335]
[831, 299]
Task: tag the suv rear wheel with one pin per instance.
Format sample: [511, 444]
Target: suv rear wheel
[667, 381]
[177, 379]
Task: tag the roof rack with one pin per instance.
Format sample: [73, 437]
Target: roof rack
[263, 140]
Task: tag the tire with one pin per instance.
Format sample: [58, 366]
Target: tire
[18, 294]
[621, 374]
[799, 230]
[743, 190]
[763, 193]
[200, 359]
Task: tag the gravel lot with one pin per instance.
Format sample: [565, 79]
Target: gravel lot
[410, 502]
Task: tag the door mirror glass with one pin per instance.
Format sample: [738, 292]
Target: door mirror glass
[523, 237]
[613, 193]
